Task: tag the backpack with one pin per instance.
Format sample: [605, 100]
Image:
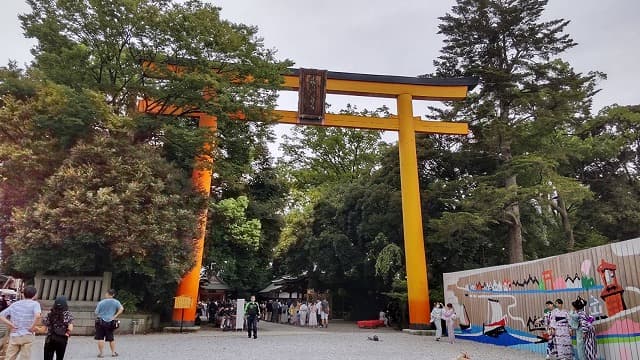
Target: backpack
[59, 329]
[252, 309]
[325, 306]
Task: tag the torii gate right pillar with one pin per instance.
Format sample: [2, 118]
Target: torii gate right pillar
[418, 291]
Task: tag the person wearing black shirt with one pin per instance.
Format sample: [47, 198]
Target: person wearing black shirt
[252, 310]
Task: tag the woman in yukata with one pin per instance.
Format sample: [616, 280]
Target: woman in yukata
[560, 332]
[436, 319]
[313, 315]
[582, 323]
[449, 315]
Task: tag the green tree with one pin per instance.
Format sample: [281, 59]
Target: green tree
[607, 160]
[39, 123]
[317, 157]
[527, 105]
[390, 263]
[101, 45]
[233, 244]
[111, 206]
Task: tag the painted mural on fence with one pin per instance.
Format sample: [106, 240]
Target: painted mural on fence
[502, 305]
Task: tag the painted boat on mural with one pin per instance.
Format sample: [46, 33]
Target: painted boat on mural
[497, 321]
[463, 316]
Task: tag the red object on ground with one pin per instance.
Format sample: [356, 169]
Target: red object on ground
[370, 324]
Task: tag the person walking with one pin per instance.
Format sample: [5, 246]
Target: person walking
[436, 319]
[449, 315]
[107, 311]
[59, 323]
[252, 309]
[22, 317]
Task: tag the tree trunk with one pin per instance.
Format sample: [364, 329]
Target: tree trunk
[516, 253]
[566, 223]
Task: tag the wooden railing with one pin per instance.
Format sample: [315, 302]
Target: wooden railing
[79, 290]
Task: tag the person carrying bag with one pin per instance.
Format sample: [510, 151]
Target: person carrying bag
[59, 323]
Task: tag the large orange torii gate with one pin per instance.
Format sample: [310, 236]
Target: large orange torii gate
[312, 86]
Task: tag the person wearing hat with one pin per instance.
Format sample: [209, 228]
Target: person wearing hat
[582, 323]
[22, 317]
[59, 323]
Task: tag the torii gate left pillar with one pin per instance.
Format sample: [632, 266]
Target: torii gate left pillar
[404, 90]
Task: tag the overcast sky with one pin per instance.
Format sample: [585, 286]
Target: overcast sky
[400, 38]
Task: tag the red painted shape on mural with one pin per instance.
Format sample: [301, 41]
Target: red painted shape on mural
[559, 283]
[547, 277]
[612, 291]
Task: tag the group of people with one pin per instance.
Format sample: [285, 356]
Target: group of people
[219, 314]
[296, 312]
[311, 313]
[23, 318]
[439, 314]
[561, 324]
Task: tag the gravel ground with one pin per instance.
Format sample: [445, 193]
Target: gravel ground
[284, 342]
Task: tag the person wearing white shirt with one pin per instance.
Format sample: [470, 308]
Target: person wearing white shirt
[24, 316]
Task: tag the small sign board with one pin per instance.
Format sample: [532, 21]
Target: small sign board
[182, 302]
[311, 96]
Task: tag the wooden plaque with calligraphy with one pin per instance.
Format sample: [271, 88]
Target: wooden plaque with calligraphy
[311, 96]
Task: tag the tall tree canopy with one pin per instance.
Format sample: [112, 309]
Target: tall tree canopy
[522, 116]
[101, 45]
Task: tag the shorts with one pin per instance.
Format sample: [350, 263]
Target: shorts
[104, 331]
[324, 316]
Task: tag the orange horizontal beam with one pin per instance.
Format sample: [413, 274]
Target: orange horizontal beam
[334, 120]
[389, 124]
[440, 127]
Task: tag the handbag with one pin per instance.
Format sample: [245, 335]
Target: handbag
[115, 324]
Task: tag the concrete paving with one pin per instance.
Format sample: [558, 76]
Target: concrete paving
[285, 342]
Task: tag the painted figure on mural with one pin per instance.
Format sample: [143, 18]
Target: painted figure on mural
[582, 324]
[560, 332]
[449, 315]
